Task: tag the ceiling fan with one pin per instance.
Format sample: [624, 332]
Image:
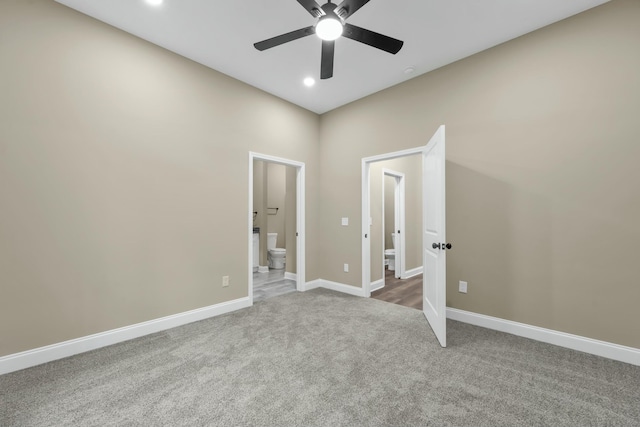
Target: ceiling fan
[330, 26]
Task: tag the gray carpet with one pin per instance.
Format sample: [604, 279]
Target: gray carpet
[323, 358]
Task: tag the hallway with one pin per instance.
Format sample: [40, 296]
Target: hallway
[406, 292]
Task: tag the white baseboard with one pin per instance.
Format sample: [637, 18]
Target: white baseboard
[334, 286]
[312, 285]
[263, 269]
[290, 276]
[408, 274]
[378, 284]
[38, 356]
[575, 342]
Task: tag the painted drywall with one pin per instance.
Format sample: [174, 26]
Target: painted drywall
[543, 193]
[124, 177]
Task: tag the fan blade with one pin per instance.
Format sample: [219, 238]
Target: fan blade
[349, 7]
[284, 38]
[380, 41]
[326, 64]
[312, 7]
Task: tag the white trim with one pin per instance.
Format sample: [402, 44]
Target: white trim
[38, 356]
[262, 269]
[334, 286]
[394, 155]
[250, 236]
[378, 284]
[366, 228]
[300, 218]
[575, 342]
[290, 276]
[313, 284]
[413, 272]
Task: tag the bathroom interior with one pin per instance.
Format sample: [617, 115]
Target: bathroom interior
[274, 229]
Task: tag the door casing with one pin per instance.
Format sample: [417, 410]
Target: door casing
[300, 217]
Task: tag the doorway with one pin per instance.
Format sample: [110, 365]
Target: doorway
[401, 269]
[393, 223]
[296, 234]
[432, 230]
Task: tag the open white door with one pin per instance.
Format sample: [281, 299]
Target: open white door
[434, 247]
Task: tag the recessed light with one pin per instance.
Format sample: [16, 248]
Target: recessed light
[154, 2]
[409, 70]
[309, 81]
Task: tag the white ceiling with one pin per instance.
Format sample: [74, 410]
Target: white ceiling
[220, 35]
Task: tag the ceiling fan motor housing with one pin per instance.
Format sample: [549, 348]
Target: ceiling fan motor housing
[333, 17]
[330, 26]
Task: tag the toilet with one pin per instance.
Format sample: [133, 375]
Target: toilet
[390, 254]
[275, 256]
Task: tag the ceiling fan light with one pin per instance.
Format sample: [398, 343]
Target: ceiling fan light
[329, 28]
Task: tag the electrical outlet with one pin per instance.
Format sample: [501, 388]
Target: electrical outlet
[225, 281]
[462, 287]
[345, 221]
[346, 268]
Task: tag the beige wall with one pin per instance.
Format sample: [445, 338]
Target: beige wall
[543, 197]
[123, 177]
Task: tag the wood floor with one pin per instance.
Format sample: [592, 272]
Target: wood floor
[406, 292]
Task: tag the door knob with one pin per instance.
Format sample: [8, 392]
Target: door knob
[442, 246]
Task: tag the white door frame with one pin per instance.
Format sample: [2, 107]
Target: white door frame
[399, 221]
[300, 217]
[366, 209]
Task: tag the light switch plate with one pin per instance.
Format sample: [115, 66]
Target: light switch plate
[345, 221]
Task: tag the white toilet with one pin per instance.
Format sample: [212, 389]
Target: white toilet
[390, 254]
[275, 256]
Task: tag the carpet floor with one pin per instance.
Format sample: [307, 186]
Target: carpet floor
[323, 358]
